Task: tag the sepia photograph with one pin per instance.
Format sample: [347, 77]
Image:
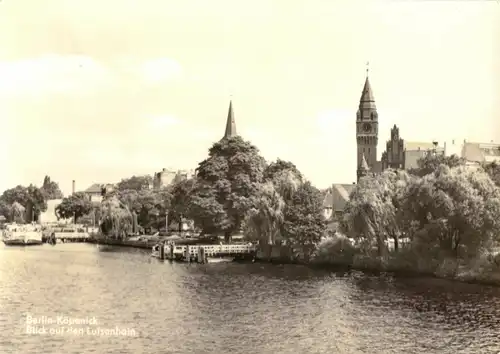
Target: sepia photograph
[236, 177]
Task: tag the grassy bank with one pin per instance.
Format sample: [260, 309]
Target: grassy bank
[339, 252]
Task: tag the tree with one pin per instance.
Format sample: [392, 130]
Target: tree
[150, 206]
[285, 176]
[181, 199]
[493, 170]
[154, 207]
[50, 189]
[374, 212]
[136, 183]
[74, 206]
[277, 167]
[264, 220]
[5, 210]
[304, 223]
[430, 163]
[116, 221]
[31, 198]
[36, 202]
[225, 186]
[129, 197]
[455, 209]
[364, 214]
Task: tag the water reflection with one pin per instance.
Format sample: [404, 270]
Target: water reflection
[236, 308]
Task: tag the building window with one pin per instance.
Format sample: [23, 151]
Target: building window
[368, 150]
[363, 150]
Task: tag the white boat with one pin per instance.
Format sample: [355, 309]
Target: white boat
[22, 234]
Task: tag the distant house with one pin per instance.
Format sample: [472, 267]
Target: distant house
[335, 199]
[415, 151]
[97, 191]
[167, 176]
[477, 153]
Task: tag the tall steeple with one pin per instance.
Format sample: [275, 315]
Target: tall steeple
[367, 129]
[367, 101]
[230, 124]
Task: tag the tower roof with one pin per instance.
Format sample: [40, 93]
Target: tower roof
[367, 95]
[230, 124]
[367, 100]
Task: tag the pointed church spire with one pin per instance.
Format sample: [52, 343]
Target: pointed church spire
[367, 100]
[367, 94]
[230, 124]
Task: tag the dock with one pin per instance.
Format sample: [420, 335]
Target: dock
[71, 236]
[204, 253]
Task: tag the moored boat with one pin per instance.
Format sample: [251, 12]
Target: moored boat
[22, 235]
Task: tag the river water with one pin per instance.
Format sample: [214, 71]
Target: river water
[229, 308]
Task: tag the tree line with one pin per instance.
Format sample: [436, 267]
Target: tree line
[440, 217]
[24, 204]
[235, 190]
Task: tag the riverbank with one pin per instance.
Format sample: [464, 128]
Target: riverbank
[335, 256]
[339, 252]
[123, 243]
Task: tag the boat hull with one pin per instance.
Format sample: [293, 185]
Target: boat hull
[22, 235]
[22, 242]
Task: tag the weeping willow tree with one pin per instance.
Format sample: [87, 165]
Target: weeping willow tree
[286, 183]
[264, 222]
[116, 221]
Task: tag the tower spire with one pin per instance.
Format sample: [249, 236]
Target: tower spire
[367, 130]
[230, 124]
[367, 99]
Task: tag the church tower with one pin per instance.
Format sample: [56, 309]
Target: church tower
[230, 124]
[367, 130]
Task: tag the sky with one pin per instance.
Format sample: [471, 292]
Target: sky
[96, 91]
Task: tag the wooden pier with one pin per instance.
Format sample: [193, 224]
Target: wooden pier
[204, 253]
[70, 235]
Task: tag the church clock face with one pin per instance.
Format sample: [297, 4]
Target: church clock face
[367, 127]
